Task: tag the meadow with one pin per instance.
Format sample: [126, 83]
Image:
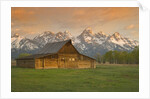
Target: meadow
[104, 78]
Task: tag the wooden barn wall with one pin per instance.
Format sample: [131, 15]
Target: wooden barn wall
[51, 62]
[29, 63]
[59, 61]
[75, 61]
[85, 62]
[68, 61]
[47, 62]
[39, 63]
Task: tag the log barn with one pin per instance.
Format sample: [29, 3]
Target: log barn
[57, 55]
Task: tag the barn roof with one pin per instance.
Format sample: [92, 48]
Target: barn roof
[53, 47]
[34, 56]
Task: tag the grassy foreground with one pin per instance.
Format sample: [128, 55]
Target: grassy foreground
[102, 79]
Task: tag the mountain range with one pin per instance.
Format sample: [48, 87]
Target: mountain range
[87, 42]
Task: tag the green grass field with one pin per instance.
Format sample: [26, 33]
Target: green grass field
[102, 79]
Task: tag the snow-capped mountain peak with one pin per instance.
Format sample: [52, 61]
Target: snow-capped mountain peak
[19, 43]
[44, 38]
[46, 33]
[117, 35]
[88, 31]
[15, 35]
[119, 40]
[60, 36]
[86, 36]
[67, 33]
[101, 34]
[16, 38]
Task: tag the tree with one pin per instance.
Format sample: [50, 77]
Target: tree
[121, 57]
[23, 55]
[135, 54]
[109, 57]
[98, 57]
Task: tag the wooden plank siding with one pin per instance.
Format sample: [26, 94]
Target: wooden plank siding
[50, 62]
[68, 61]
[39, 63]
[28, 63]
[68, 48]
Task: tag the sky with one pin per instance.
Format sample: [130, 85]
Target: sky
[31, 21]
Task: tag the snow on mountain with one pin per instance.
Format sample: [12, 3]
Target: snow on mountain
[49, 37]
[91, 44]
[87, 42]
[22, 45]
[60, 36]
[100, 37]
[101, 34]
[19, 42]
[86, 36]
[45, 38]
[89, 37]
[117, 39]
[126, 43]
[15, 40]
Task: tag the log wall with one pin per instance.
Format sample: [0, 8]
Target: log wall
[39, 63]
[26, 63]
[68, 61]
[50, 62]
[84, 64]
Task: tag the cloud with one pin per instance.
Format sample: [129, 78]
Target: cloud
[72, 14]
[31, 20]
[132, 26]
[22, 14]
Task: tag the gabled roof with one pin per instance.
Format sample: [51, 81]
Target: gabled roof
[53, 47]
[34, 56]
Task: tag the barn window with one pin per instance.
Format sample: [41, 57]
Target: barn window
[69, 59]
[73, 59]
[62, 59]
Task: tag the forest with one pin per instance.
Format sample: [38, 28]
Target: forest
[119, 57]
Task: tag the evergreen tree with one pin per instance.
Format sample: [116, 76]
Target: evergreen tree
[121, 57]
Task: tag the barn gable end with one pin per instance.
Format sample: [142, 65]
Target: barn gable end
[68, 48]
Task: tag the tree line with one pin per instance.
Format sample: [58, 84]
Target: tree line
[119, 57]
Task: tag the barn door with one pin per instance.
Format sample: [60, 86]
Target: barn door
[92, 64]
[62, 63]
[41, 63]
